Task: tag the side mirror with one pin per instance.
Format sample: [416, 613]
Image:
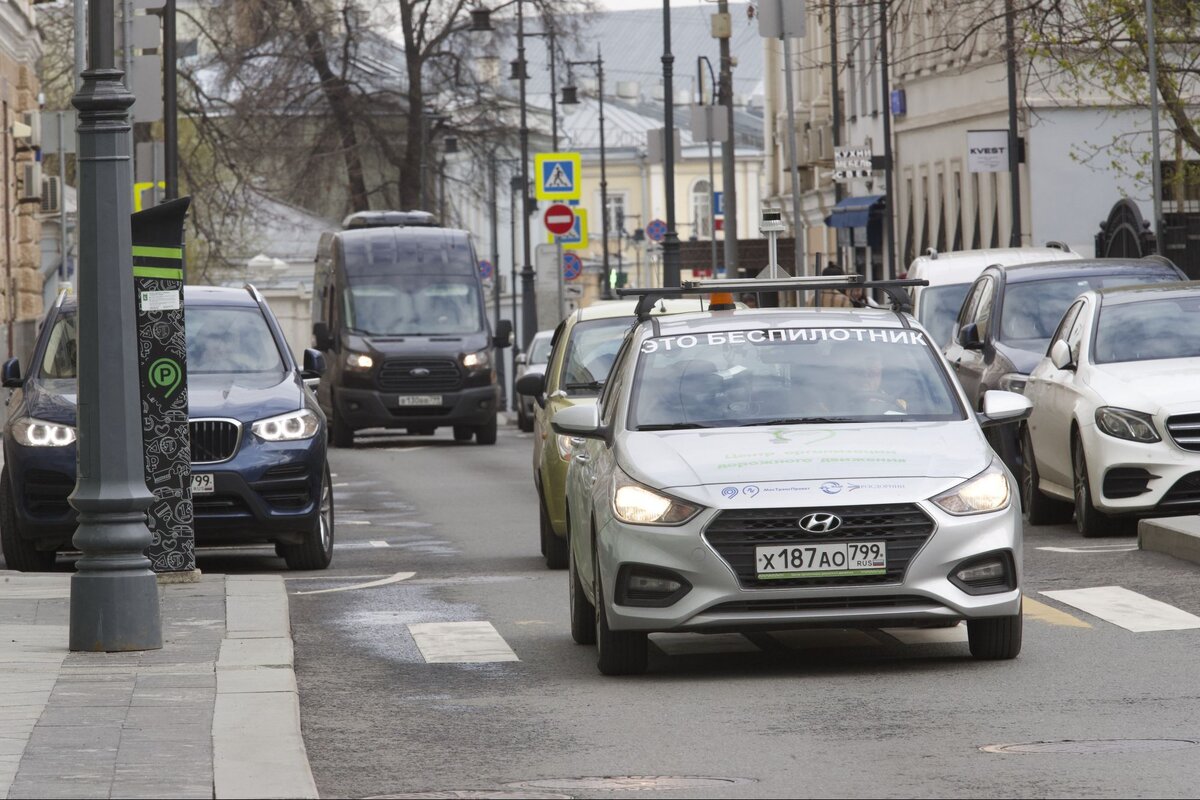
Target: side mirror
[321, 337]
[521, 359]
[314, 363]
[504, 334]
[532, 385]
[1000, 408]
[1060, 355]
[968, 337]
[582, 420]
[11, 377]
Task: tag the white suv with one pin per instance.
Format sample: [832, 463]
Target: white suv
[777, 468]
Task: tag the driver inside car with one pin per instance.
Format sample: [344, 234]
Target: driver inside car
[874, 394]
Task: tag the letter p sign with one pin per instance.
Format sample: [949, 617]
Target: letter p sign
[165, 374]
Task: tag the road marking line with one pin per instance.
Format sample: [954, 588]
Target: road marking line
[1096, 548]
[379, 543]
[399, 576]
[1049, 614]
[460, 643]
[928, 635]
[340, 485]
[354, 522]
[1130, 610]
[407, 449]
[333, 577]
[699, 644]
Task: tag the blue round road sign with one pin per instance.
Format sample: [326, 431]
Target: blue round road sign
[656, 231]
[571, 266]
[485, 269]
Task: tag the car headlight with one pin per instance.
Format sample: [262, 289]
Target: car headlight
[359, 361]
[565, 446]
[987, 491]
[37, 433]
[1013, 382]
[478, 360]
[640, 505]
[1126, 424]
[302, 424]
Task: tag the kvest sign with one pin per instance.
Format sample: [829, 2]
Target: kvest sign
[987, 151]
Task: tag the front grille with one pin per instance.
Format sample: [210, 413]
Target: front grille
[1122, 482]
[396, 375]
[214, 440]
[1185, 493]
[735, 533]
[819, 604]
[1185, 430]
[46, 493]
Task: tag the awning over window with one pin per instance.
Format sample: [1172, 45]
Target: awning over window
[854, 212]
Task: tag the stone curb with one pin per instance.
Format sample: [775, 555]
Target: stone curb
[1176, 536]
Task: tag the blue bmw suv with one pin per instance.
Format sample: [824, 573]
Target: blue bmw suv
[258, 436]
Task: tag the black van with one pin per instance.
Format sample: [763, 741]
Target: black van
[398, 310]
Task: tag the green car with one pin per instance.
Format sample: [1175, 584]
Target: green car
[582, 352]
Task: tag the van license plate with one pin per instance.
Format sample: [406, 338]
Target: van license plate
[820, 560]
[419, 400]
[203, 483]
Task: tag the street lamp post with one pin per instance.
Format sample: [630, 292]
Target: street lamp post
[114, 595]
[606, 292]
[712, 187]
[670, 257]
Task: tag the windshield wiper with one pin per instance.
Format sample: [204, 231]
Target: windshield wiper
[593, 386]
[672, 426]
[798, 421]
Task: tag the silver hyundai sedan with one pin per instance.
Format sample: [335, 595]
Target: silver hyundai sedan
[782, 468]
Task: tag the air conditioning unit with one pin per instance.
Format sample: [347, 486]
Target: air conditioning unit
[34, 120]
[31, 182]
[51, 195]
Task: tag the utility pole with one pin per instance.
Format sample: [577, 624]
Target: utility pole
[670, 256]
[728, 155]
[529, 317]
[1156, 155]
[170, 103]
[797, 223]
[605, 284]
[1014, 141]
[494, 231]
[889, 265]
[835, 89]
[114, 595]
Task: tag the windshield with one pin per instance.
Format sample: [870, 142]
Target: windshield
[413, 305]
[1033, 309]
[540, 353]
[939, 309]
[591, 351]
[1148, 330]
[221, 340]
[785, 376]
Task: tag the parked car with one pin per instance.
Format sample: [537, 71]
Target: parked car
[257, 436]
[583, 348]
[529, 363]
[950, 276]
[764, 469]
[1010, 313]
[1115, 430]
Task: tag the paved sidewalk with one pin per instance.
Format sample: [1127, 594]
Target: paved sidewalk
[214, 713]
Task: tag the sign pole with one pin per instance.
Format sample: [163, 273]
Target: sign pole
[558, 250]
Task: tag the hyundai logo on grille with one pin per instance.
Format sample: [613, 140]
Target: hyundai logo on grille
[820, 523]
[419, 372]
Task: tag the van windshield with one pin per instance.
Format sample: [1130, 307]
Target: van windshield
[413, 305]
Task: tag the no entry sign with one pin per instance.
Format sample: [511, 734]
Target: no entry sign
[559, 219]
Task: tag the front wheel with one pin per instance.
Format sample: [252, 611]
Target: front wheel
[554, 547]
[1040, 508]
[463, 433]
[340, 435]
[995, 638]
[1090, 521]
[316, 551]
[583, 613]
[487, 433]
[618, 652]
[20, 554]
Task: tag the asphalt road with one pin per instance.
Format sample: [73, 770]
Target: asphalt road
[810, 714]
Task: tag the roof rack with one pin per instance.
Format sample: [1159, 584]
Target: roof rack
[894, 289]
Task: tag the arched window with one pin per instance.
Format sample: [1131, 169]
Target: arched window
[702, 209]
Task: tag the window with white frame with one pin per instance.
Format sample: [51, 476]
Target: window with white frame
[702, 209]
[616, 213]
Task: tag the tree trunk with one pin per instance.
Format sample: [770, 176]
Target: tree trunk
[412, 172]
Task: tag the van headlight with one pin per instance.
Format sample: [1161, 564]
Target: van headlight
[38, 433]
[987, 491]
[478, 360]
[359, 362]
[1125, 424]
[302, 424]
[640, 505]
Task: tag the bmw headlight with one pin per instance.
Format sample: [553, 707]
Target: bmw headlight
[37, 433]
[359, 362]
[1125, 424]
[987, 491]
[640, 505]
[302, 424]
[479, 360]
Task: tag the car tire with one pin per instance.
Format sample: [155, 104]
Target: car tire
[995, 638]
[525, 423]
[316, 551]
[487, 433]
[340, 435]
[1089, 521]
[463, 433]
[617, 652]
[554, 547]
[20, 554]
[1040, 508]
[583, 613]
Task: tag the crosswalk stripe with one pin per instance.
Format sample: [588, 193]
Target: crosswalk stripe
[1048, 614]
[379, 543]
[460, 642]
[1128, 609]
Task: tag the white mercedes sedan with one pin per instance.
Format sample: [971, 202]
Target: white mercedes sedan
[1114, 435]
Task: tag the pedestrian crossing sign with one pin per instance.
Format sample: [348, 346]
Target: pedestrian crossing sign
[558, 176]
[577, 238]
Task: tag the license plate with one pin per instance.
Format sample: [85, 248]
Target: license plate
[202, 483]
[419, 400]
[821, 560]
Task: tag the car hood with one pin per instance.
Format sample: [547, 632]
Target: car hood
[448, 345]
[852, 464]
[244, 398]
[1170, 384]
[1023, 354]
